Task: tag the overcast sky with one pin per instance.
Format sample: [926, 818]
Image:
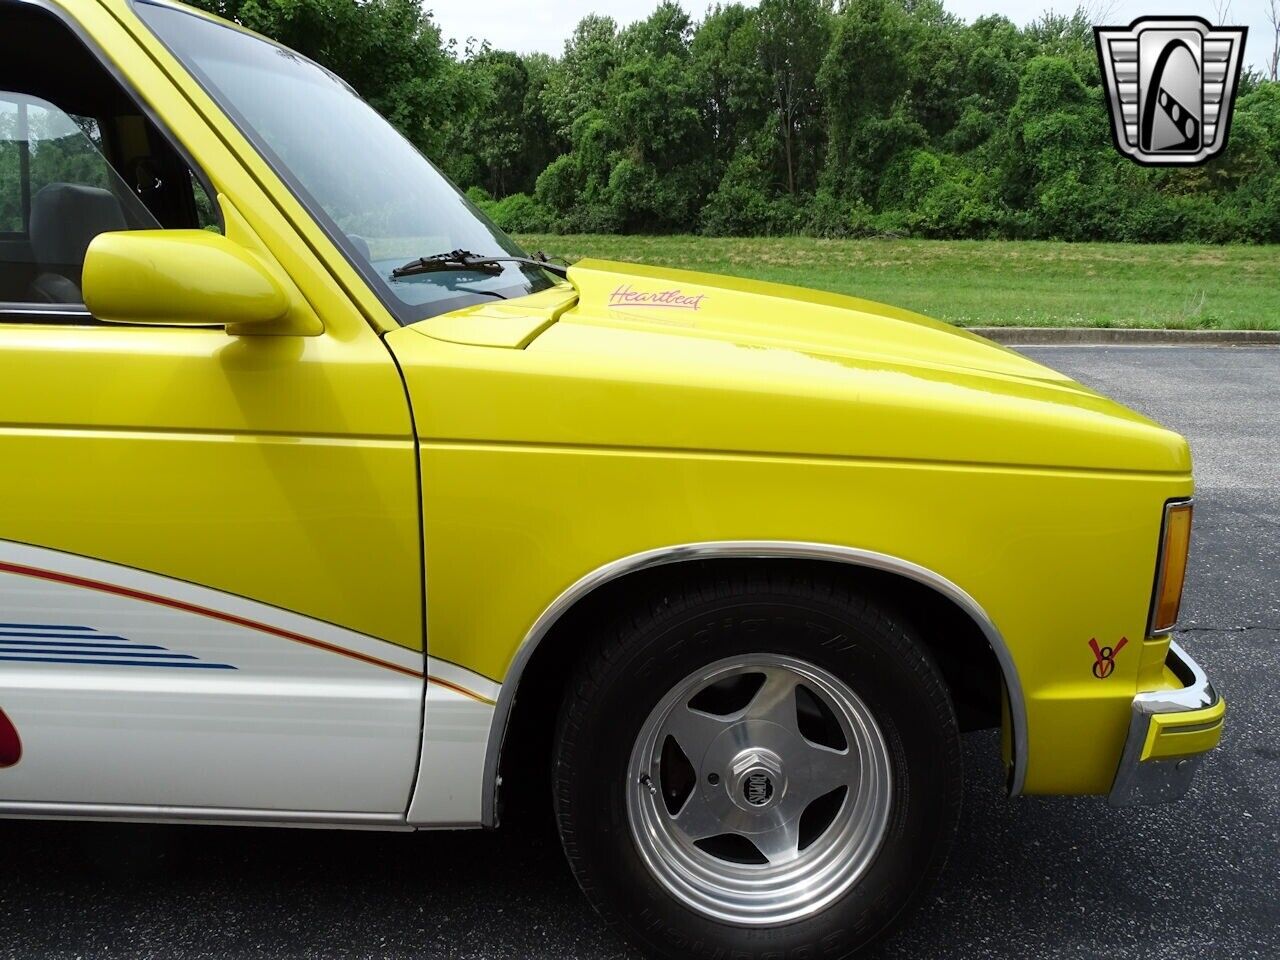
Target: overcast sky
[528, 25]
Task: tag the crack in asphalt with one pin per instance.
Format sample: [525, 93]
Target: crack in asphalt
[1264, 628]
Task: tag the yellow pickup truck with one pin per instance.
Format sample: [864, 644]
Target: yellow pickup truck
[325, 504]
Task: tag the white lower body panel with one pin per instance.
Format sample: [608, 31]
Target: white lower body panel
[128, 689]
[459, 713]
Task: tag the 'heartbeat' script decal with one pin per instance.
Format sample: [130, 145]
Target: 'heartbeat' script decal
[675, 299]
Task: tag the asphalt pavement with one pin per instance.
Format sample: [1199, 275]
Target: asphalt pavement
[1035, 877]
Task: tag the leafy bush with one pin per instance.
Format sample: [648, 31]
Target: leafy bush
[519, 213]
[744, 206]
[558, 186]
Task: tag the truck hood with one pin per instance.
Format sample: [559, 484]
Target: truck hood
[687, 304]
[635, 356]
[814, 322]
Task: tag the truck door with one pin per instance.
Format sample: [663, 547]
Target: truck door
[210, 571]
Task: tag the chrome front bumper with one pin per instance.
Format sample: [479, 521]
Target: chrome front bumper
[1169, 733]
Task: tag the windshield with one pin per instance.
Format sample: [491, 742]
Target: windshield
[379, 199]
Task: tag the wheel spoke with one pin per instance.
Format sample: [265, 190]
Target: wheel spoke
[694, 730]
[697, 819]
[781, 844]
[819, 771]
[776, 699]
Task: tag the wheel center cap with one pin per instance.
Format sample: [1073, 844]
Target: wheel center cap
[756, 780]
[758, 788]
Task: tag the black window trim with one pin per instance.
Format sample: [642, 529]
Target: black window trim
[65, 314]
[68, 312]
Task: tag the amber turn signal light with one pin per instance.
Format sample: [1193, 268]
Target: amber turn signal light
[1171, 567]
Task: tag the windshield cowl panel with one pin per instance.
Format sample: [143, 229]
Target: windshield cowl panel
[377, 197]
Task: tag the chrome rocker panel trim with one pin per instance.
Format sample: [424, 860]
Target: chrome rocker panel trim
[748, 549]
[222, 816]
[1144, 782]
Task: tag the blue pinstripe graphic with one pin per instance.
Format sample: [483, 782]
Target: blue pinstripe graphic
[75, 643]
[59, 654]
[192, 664]
[41, 626]
[64, 644]
[65, 636]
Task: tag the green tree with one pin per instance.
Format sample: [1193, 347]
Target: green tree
[497, 136]
[736, 85]
[577, 86]
[793, 38]
[857, 117]
[865, 83]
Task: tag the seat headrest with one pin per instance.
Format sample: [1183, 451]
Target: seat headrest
[65, 217]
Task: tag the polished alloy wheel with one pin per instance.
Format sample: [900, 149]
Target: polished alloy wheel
[759, 789]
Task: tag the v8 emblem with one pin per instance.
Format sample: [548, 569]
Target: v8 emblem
[1104, 658]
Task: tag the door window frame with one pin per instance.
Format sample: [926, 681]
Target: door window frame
[71, 314]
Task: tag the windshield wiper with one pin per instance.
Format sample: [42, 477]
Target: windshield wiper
[465, 260]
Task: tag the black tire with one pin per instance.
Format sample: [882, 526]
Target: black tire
[632, 663]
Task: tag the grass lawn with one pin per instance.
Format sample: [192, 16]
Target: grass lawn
[989, 282]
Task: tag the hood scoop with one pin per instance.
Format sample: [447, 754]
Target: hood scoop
[503, 323]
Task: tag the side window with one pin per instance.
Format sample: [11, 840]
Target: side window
[64, 194]
[78, 158]
[62, 148]
[13, 220]
[206, 215]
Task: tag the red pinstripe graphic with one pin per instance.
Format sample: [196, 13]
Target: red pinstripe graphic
[132, 594]
[462, 690]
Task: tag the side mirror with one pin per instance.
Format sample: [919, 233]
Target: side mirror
[184, 278]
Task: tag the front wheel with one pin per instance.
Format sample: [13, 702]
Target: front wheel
[755, 768]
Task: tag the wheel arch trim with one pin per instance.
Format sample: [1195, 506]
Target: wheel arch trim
[748, 550]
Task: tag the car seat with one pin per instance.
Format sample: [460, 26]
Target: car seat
[65, 217]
